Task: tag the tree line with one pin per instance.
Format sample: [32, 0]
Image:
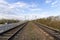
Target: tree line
[3, 21]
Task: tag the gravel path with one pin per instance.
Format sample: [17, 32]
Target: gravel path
[30, 32]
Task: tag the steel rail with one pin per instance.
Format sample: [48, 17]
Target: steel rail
[8, 35]
[52, 32]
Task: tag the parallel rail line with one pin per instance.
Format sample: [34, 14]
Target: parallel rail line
[52, 32]
[9, 34]
[7, 27]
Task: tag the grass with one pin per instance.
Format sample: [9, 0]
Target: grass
[55, 23]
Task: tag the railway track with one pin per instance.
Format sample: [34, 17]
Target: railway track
[15, 33]
[8, 35]
[54, 33]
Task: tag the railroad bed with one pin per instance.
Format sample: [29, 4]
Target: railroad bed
[30, 31]
[53, 32]
[8, 34]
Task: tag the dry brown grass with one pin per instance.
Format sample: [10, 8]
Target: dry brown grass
[55, 23]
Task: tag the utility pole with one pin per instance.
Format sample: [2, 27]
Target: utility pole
[25, 17]
[35, 18]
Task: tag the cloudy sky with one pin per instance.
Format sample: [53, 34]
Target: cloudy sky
[29, 9]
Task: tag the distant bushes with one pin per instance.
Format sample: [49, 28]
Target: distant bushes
[50, 22]
[3, 21]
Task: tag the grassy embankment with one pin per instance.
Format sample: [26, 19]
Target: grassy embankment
[50, 22]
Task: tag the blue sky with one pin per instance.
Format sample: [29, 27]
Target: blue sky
[19, 9]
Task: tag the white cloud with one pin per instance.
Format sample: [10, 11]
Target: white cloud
[48, 1]
[16, 10]
[54, 4]
[21, 4]
[35, 9]
[2, 1]
[18, 4]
